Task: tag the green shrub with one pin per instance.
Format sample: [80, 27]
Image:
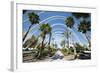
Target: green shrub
[80, 48]
[71, 50]
[64, 51]
[53, 51]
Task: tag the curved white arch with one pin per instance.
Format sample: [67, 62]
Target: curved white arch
[55, 26]
[57, 30]
[61, 17]
[57, 36]
[39, 13]
[50, 19]
[75, 35]
[58, 24]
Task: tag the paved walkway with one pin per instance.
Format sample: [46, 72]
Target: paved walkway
[66, 58]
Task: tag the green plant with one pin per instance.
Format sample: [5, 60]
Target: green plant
[79, 48]
[64, 51]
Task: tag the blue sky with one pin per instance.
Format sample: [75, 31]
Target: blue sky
[57, 22]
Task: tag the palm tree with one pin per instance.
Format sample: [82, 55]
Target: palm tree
[85, 27]
[69, 23]
[34, 19]
[45, 29]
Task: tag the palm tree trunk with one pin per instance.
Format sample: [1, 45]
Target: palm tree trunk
[49, 40]
[88, 40]
[43, 41]
[49, 44]
[68, 42]
[42, 47]
[27, 32]
[68, 38]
